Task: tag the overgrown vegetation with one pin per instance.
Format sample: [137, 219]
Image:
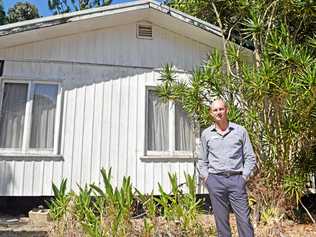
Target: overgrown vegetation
[274, 98]
[21, 11]
[110, 211]
[103, 211]
[64, 6]
[2, 14]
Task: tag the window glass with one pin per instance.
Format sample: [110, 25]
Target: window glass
[184, 132]
[43, 116]
[12, 115]
[158, 125]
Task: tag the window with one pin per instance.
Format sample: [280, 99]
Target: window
[29, 119]
[169, 129]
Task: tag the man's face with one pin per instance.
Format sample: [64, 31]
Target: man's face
[219, 111]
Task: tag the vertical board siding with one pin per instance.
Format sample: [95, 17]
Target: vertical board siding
[115, 129]
[106, 126]
[88, 135]
[70, 105]
[103, 126]
[78, 137]
[123, 129]
[116, 45]
[96, 154]
[131, 162]
[103, 119]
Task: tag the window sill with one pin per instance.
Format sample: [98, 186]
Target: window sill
[16, 156]
[168, 158]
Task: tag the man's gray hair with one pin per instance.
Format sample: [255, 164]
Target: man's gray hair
[219, 99]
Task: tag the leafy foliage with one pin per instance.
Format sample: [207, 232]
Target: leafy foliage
[2, 14]
[256, 17]
[64, 6]
[22, 11]
[58, 206]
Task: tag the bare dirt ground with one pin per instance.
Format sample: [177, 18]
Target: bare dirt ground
[277, 229]
[24, 227]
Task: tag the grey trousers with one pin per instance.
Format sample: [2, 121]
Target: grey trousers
[229, 190]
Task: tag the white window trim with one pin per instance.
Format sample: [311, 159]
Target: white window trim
[28, 119]
[172, 152]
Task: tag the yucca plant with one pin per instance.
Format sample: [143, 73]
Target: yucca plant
[82, 203]
[180, 206]
[58, 206]
[164, 200]
[105, 197]
[118, 204]
[150, 207]
[191, 205]
[87, 214]
[149, 228]
[275, 99]
[148, 202]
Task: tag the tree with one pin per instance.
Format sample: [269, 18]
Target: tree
[299, 15]
[2, 14]
[63, 6]
[22, 11]
[275, 98]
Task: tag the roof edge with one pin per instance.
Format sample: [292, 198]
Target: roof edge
[48, 21]
[65, 16]
[186, 17]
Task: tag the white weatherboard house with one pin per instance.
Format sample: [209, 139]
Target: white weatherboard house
[77, 95]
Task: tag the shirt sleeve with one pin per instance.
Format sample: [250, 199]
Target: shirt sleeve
[249, 156]
[203, 158]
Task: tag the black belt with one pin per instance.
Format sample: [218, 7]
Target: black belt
[229, 173]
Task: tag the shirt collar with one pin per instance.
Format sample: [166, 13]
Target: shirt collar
[230, 126]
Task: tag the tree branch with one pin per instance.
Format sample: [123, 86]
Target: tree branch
[223, 38]
[270, 19]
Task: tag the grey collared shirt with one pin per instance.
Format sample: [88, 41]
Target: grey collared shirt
[230, 152]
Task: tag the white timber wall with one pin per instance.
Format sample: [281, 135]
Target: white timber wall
[104, 74]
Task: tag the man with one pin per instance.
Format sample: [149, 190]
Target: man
[226, 161]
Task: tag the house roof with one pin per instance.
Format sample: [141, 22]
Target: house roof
[108, 16]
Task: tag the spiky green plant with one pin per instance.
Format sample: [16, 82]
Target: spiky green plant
[118, 204]
[59, 204]
[274, 98]
[87, 213]
[180, 206]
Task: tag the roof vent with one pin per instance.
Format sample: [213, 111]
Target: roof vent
[144, 31]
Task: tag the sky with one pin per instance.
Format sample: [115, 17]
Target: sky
[42, 5]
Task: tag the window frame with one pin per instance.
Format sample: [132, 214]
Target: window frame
[172, 152]
[25, 148]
